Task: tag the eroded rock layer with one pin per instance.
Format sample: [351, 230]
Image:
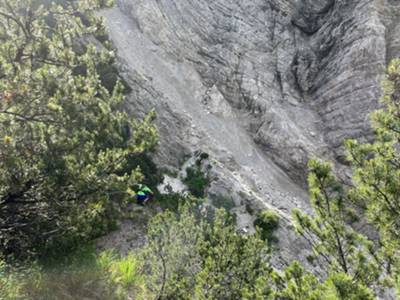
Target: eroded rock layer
[260, 85]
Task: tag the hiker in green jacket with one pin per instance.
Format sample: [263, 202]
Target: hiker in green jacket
[144, 194]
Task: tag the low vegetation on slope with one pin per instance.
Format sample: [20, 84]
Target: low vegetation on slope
[69, 159]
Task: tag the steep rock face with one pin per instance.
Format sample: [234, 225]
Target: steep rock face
[260, 85]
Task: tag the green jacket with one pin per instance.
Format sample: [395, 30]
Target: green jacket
[147, 190]
[144, 189]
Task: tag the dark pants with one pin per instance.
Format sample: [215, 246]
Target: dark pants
[141, 199]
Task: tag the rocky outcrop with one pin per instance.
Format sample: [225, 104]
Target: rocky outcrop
[260, 85]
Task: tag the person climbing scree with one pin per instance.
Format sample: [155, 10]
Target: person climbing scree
[144, 194]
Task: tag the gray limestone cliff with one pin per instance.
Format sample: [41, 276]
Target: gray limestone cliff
[259, 85]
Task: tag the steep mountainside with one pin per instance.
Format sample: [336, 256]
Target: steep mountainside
[260, 85]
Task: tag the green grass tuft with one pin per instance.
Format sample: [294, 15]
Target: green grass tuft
[196, 181]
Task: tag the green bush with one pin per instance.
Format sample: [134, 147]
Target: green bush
[187, 257]
[124, 274]
[170, 201]
[152, 175]
[196, 181]
[61, 191]
[267, 222]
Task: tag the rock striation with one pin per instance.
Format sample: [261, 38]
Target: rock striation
[260, 85]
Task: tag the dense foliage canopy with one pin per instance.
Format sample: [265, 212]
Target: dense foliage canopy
[64, 138]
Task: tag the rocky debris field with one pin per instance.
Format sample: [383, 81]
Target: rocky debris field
[259, 85]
